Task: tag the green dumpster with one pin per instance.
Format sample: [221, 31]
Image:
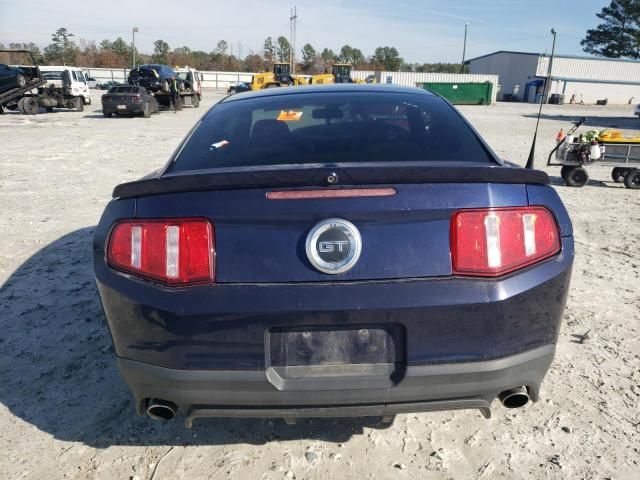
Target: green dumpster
[461, 93]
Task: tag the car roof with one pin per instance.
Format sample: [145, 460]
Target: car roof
[153, 65]
[336, 87]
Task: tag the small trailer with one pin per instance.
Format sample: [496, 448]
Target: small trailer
[574, 156]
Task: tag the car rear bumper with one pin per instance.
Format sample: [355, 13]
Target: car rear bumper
[202, 393]
[455, 342]
[131, 108]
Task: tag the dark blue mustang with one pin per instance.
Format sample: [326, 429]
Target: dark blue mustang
[342, 250]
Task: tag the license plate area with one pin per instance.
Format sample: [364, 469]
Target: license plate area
[330, 357]
[122, 107]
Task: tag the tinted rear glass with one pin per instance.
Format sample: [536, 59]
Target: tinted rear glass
[53, 75]
[337, 127]
[143, 72]
[124, 89]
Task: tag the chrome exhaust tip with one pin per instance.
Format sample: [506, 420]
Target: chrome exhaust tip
[161, 409]
[515, 397]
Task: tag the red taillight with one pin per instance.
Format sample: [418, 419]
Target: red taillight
[136, 99]
[173, 251]
[495, 241]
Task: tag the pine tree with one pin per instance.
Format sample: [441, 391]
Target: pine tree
[619, 34]
[160, 51]
[308, 56]
[388, 58]
[283, 49]
[269, 50]
[328, 56]
[62, 49]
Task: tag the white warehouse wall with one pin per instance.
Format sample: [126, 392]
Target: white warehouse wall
[511, 68]
[611, 70]
[590, 92]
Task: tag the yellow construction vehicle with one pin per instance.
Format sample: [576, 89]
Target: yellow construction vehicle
[279, 77]
[340, 73]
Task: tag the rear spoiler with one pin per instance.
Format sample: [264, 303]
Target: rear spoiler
[328, 176]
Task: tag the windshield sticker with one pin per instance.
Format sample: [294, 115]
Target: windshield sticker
[218, 145]
[289, 116]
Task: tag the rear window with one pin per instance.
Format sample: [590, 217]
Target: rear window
[327, 128]
[124, 89]
[143, 72]
[53, 75]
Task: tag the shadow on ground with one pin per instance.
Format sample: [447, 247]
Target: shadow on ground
[559, 182]
[57, 367]
[626, 123]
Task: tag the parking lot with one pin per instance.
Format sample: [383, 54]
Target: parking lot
[66, 413]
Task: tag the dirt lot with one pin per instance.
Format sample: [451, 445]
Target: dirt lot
[65, 412]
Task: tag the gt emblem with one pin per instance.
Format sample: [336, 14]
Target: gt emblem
[333, 246]
[330, 246]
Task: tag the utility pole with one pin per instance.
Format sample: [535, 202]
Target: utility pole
[133, 46]
[292, 40]
[464, 45]
[547, 81]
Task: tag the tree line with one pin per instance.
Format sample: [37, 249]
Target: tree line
[65, 50]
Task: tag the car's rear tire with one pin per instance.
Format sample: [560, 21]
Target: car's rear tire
[78, 104]
[195, 101]
[147, 110]
[576, 177]
[618, 173]
[21, 81]
[29, 106]
[632, 179]
[106, 114]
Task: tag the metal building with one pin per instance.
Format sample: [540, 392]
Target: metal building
[583, 79]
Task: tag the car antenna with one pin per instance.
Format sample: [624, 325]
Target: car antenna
[547, 81]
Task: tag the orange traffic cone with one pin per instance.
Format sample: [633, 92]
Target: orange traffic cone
[560, 136]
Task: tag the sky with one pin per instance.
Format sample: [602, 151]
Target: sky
[423, 31]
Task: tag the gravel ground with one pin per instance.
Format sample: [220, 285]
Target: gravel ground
[65, 412]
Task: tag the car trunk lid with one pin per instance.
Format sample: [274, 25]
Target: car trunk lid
[260, 237]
